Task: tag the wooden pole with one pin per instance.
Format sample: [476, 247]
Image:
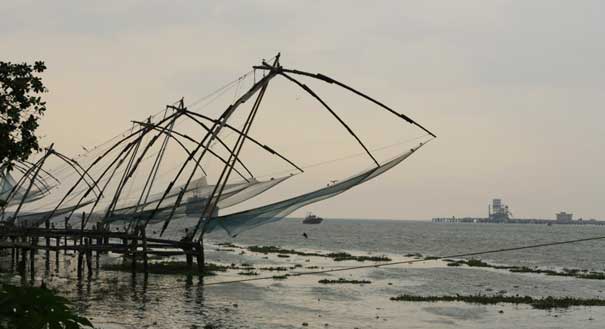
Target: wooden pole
[82, 223]
[188, 255]
[57, 243]
[133, 253]
[12, 254]
[89, 257]
[32, 251]
[145, 265]
[98, 240]
[17, 260]
[66, 220]
[79, 251]
[200, 259]
[23, 261]
[47, 261]
[108, 229]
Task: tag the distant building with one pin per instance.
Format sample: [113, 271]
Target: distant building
[564, 217]
[498, 212]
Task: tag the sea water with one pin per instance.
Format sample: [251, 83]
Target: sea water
[117, 300]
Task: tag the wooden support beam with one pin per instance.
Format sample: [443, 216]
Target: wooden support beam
[32, 259]
[57, 243]
[23, 262]
[201, 266]
[145, 265]
[88, 258]
[133, 254]
[79, 264]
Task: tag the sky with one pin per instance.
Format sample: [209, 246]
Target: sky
[513, 89]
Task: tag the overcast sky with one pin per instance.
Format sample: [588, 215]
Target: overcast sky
[513, 89]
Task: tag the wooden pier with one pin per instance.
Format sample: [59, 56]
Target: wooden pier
[25, 244]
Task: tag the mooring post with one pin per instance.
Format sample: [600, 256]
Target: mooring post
[57, 243]
[23, 262]
[200, 260]
[82, 222]
[79, 252]
[89, 257]
[133, 253]
[82, 232]
[47, 261]
[188, 250]
[144, 238]
[12, 254]
[17, 259]
[108, 231]
[66, 233]
[47, 255]
[98, 241]
[32, 253]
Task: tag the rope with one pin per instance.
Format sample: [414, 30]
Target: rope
[219, 91]
[347, 157]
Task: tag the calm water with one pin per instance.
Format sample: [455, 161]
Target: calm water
[115, 300]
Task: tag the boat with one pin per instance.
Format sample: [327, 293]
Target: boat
[312, 219]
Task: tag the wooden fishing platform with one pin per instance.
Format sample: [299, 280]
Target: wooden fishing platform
[88, 245]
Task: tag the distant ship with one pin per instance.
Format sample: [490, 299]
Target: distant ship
[312, 219]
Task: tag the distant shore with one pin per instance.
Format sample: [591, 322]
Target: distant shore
[517, 221]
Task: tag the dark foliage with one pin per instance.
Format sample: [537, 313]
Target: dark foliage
[21, 106]
[36, 308]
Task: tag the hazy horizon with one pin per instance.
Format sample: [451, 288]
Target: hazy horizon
[513, 90]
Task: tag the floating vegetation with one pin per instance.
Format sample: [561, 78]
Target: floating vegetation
[539, 303]
[166, 268]
[341, 256]
[215, 267]
[250, 273]
[233, 266]
[344, 281]
[228, 245]
[283, 256]
[280, 277]
[431, 257]
[277, 250]
[277, 269]
[338, 256]
[576, 273]
[415, 255]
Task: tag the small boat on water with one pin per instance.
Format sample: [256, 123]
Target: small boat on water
[312, 219]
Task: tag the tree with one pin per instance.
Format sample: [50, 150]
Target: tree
[21, 106]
